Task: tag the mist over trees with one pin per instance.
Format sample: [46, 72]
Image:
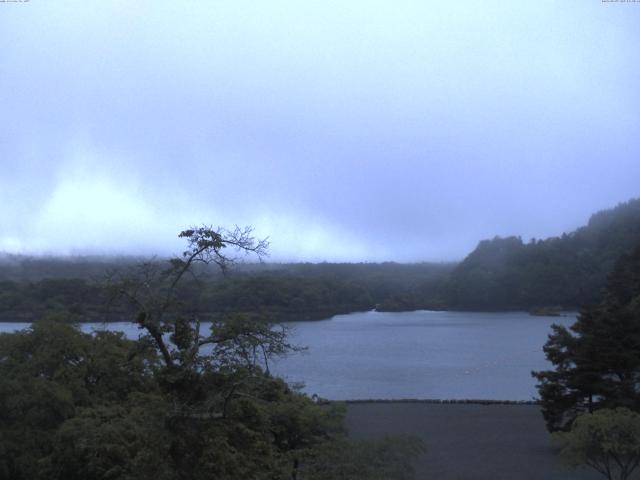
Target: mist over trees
[557, 273]
[278, 291]
[566, 272]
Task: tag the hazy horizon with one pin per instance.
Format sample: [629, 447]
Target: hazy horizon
[365, 131]
[251, 259]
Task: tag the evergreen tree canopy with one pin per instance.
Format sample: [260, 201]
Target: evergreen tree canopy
[569, 271]
[597, 363]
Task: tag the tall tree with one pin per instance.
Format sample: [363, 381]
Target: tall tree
[203, 372]
[597, 363]
[153, 290]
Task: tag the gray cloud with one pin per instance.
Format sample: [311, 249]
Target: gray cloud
[343, 130]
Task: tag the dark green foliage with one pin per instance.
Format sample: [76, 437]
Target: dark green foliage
[226, 417]
[22, 268]
[598, 365]
[568, 271]
[48, 376]
[75, 298]
[75, 406]
[285, 297]
[177, 404]
[278, 292]
[391, 286]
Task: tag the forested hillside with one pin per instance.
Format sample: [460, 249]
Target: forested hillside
[566, 271]
[32, 288]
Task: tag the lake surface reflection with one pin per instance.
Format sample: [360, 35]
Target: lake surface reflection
[423, 354]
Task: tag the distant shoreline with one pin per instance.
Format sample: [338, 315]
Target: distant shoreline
[437, 401]
[289, 318]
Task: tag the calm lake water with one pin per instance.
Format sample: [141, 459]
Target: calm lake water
[423, 354]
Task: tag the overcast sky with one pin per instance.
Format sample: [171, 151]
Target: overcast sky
[343, 130]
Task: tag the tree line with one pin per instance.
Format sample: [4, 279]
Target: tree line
[280, 292]
[591, 397]
[567, 272]
[564, 272]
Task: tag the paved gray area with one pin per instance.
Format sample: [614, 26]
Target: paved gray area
[469, 441]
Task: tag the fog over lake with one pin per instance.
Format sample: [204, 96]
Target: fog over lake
[422, 354]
